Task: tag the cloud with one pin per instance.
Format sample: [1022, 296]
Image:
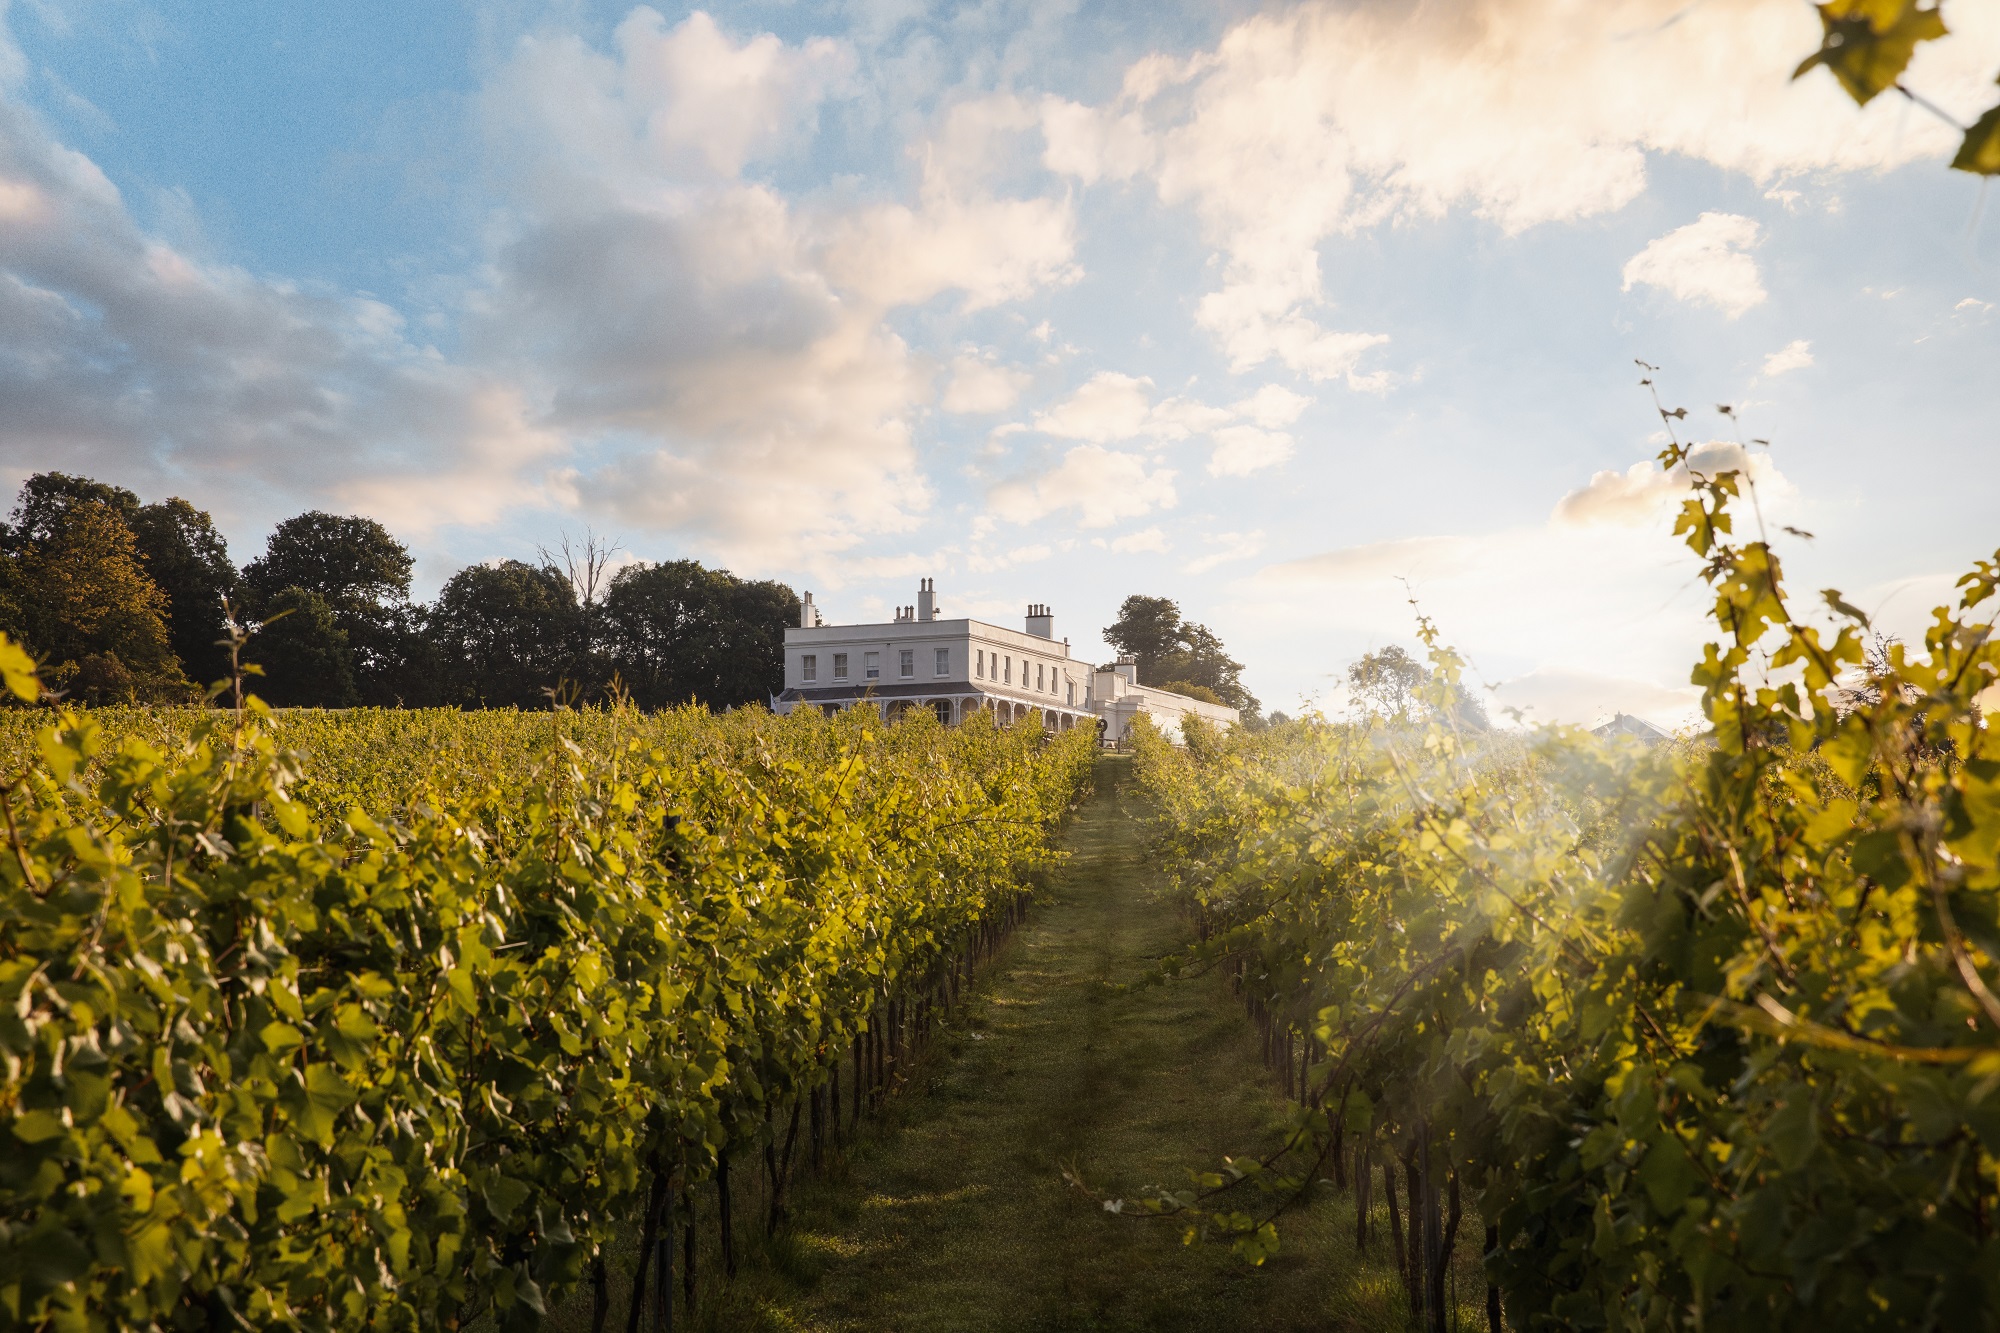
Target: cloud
[1705, 261]
[1640, 495]
[1273, 406]
[1112, 407]
[1145, 540]
[724, 353]
[1794, 355]
[1101, 485]
[1232, 546]
[1587, 698]
[978, 386]
[123, 357]
[1319, 119]
[1020, 555]
[1242, 450]
[1107, 408]
[1600, 606]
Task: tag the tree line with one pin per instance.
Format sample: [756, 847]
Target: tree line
[130, 602]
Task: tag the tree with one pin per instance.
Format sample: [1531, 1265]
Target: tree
[351, 562]
[78, 596]
[1389, 682]
[1193, 691]
[678, 632]
[1151, 632]
[305, 656]
[362, 573]
[507, 634]
[189, 560]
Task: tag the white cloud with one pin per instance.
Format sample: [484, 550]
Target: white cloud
[1107, 408]
[122, 357]
[1242, 450]
[1586, 698]
[1111, 407]
[1020, 555]
[979, 386]
[1101, 485]
[1640, 495]
[1313, 120]
[1597, 609]
[725, 352]
[1705, 261]
[1273, 406]
[1230, 546]
[1794, 355]
[1145, 540]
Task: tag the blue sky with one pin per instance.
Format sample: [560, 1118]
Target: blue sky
[1289, 312]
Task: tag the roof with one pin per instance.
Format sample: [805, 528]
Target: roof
[1624, 724]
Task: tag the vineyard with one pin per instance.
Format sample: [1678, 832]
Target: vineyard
[1699, 1036]
[401, 1020]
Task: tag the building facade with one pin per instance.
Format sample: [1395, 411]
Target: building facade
[955, 667]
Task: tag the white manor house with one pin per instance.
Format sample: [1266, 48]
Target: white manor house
[956, 667]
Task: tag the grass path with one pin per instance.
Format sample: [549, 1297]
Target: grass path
[952, 1214]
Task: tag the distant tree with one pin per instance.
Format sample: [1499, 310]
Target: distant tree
[1193, 691]
[1165, 647]
[362, 573]
[506, 634]
[304, 653]
[189, 560]
[78, 597]
[1148, 630]
[1389, 681]
[351, 562]
[47, 496]
[679, 632]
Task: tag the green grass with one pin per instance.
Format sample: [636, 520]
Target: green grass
[951, 1213]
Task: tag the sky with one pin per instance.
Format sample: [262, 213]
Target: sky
[1313, 317]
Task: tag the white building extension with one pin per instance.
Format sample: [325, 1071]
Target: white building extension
[1118, 697]
[954, 667]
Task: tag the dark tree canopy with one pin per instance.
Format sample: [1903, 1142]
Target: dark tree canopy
[304, 654]
[122, 601]
[77, 595]
[351, 562]
[189, 560]
[507, 634]
[47, 496]
[678, 632]
[1166, 648]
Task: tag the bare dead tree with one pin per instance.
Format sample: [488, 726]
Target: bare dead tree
[583, 562]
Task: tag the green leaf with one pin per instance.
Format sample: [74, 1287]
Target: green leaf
[1867, 44]
[1979, 153]
[1668, 1174]
[17, 669]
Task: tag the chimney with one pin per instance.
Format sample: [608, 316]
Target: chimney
[1128, 670]
[1041, 621]
[927, 600]
[808, 614]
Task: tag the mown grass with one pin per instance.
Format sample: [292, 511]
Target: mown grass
[950, 1214]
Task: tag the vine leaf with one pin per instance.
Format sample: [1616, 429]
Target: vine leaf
[1867, 44]
[1980, 152]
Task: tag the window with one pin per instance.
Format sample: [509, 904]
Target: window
[840, 666]
[1038, 676]
[906, 663]
[871, 666]
[809, 668]
[943, 662]
[979, 664]
[1072, 694]
[1010, 669]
